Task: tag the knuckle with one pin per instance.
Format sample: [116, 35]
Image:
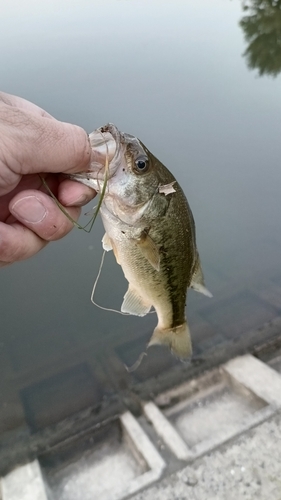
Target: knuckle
[12, 115]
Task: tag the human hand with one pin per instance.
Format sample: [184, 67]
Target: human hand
[32, 142]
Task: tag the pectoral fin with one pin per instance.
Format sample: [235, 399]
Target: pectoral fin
[133, 303]
[106, 243]
[149, 250]
[197, 281]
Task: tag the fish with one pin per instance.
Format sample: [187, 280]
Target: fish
[150, 228]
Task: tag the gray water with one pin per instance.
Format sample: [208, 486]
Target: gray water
[172, 73]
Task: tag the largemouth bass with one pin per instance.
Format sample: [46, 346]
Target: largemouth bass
[150, 228]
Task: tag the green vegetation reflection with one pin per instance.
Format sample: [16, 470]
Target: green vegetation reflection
[262, 29]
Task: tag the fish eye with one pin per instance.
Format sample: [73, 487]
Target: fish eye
[141, 165]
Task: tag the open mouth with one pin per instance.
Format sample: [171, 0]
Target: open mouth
[104, 148]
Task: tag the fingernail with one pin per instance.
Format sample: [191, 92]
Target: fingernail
[29, 209]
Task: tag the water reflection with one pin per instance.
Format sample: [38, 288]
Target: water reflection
[262, 29]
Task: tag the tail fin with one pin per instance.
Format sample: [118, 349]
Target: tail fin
[178, 339]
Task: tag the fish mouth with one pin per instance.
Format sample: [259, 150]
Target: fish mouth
[103, 146]
[106, 143]
[108, 148]
[109, 152]
[113, 147]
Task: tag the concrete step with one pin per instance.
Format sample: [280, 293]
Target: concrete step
[122, 464]
[190, 420]
[216, 407]
[24, 483]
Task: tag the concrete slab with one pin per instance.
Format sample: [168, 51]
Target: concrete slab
[142, 443]
[258, 377]
[197, 418]
[24, 483]
[100, 473]
[194, 419]
[275, 363]
[167, 432]
[220, 412]
[247, 468]
[121, 463]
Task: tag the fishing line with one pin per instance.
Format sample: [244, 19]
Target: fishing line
[61, 207]
[91, 212]
[132, 368]
[94, 289]
[106, 168]
[64, 211]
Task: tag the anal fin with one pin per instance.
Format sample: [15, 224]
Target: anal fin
[133, 303]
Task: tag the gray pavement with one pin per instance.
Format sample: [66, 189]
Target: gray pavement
[248, 468]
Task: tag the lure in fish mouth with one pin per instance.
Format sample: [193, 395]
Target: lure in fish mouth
[150, 228]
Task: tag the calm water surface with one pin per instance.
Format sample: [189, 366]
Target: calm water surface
[173, 74]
